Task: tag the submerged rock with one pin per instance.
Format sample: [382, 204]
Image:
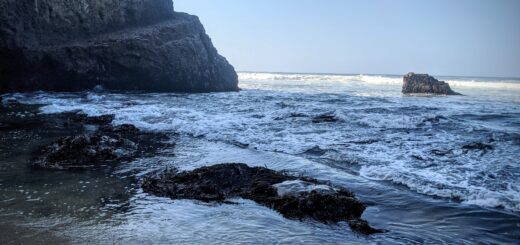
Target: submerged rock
[478, 146]
[128, 129]
[425, 84]
[325, 118]
[315, 151]
[291, 115]
[83, 118]
[483, 148]
[297, 114]
[61, 45]
[439, 152]
[293, 197]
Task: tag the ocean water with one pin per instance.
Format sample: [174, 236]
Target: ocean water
[410, 158]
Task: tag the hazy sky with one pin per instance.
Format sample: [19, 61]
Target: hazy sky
[441, 37]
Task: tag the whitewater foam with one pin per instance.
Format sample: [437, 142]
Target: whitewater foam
[463, 83]
[381, 136]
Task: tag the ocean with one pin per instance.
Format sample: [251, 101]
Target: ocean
[431, 169]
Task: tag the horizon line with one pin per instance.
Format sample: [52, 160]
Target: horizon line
[376, 74]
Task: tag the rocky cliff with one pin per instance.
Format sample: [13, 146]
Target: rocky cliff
[63, 45]
[425, 84]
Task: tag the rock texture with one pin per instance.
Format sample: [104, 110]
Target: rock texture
[291, 196]
[425, 84]
[63, 45]
[89, 149]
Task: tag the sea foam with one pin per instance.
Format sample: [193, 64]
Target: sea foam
[379, 134]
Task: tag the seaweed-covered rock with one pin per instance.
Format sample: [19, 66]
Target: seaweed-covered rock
[291, 196]
[84, 151]
[91, 148]
[425, 84]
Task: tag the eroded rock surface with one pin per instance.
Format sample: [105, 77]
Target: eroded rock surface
[293, 197]
[62, 45]
[425, 84]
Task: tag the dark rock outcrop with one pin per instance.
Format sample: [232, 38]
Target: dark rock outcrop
[425, 84]
[325, 118]
[293, 197]
[62, 45]
[92, 149]
[84, 151]
[483, 148]
[97, 120]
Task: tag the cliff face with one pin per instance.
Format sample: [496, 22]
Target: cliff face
[63, 45]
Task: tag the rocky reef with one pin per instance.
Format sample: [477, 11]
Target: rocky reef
[96, 144]
[87, 150]
[62, 45]
[425, 84]
[293, 197]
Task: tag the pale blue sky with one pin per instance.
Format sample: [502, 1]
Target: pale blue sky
[441, 37]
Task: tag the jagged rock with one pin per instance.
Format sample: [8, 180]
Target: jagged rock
[83, 151]
[423, 83]
[293, 197]
[62, 45]
[106, 145]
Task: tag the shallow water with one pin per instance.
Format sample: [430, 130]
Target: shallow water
[402, 155]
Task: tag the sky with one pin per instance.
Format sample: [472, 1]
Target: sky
[440, 37]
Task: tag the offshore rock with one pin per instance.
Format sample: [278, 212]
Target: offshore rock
[63, 45]
[425, 84]
[325, 118]
[293, 197]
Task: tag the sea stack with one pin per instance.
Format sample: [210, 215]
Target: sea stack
[425, 84]
[139, 45]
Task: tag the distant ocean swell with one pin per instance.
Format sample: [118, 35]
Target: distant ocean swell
[455, 82]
